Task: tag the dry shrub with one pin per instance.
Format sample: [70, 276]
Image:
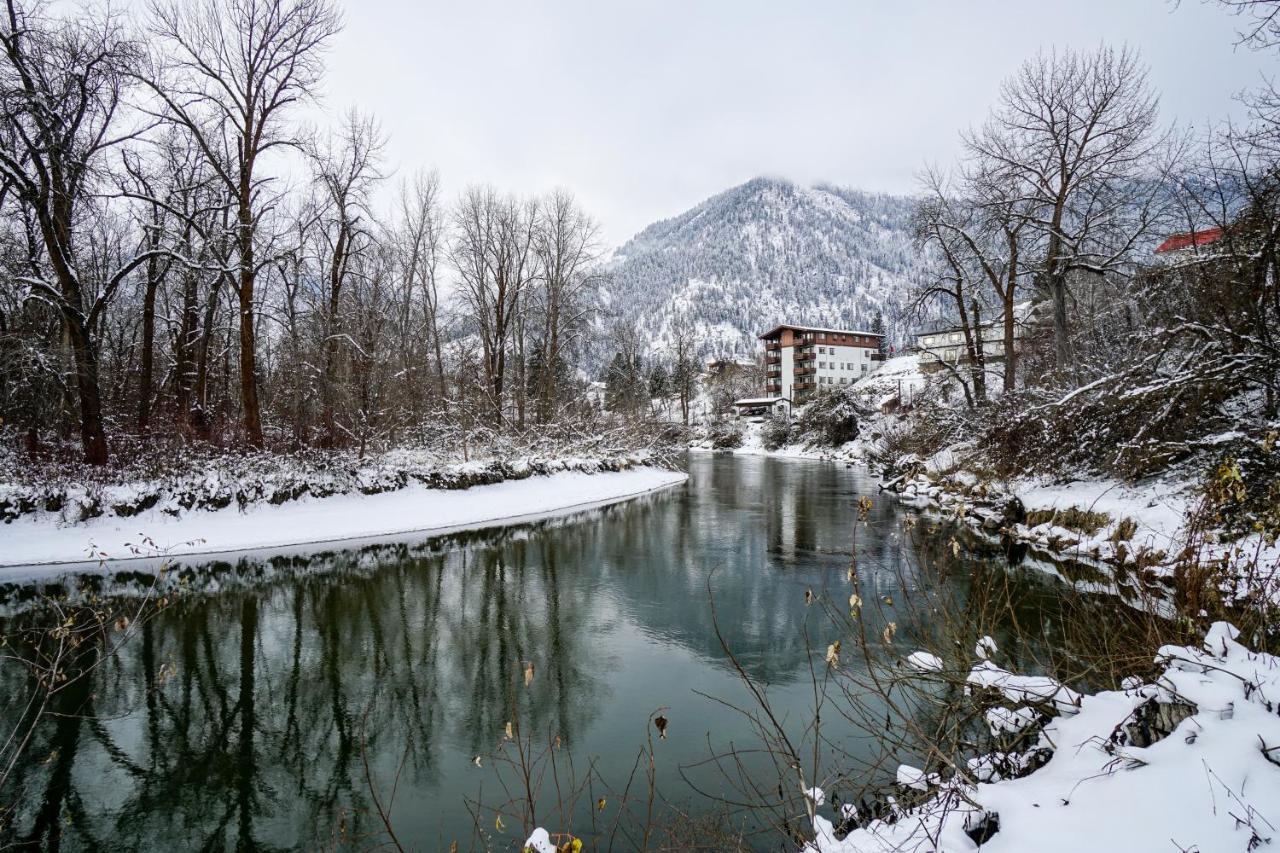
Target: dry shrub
[1072, 518]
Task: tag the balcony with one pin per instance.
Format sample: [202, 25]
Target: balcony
[805, 371]
[805, 356]
[771, 358]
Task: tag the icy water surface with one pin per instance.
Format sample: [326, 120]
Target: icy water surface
[263, 707]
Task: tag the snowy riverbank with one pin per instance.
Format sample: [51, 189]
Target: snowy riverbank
[42, 540]
[1187, 761]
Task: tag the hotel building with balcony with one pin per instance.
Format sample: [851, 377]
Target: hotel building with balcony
[801, 360]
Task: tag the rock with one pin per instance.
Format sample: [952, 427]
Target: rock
[1014, 512]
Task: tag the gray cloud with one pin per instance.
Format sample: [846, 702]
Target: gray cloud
[644, 108]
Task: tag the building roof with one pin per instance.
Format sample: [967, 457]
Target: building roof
[781, 326]
[1189, 239]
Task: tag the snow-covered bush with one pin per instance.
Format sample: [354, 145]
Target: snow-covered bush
[776, 432]
[831, 419]
[725, 435]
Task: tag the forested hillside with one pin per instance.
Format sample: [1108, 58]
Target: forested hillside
[766, 252]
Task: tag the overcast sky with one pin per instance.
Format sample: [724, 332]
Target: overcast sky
[645, 108]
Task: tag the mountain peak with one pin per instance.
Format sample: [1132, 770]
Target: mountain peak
[764, 252]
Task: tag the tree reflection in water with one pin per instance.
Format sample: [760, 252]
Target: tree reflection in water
[244, 714]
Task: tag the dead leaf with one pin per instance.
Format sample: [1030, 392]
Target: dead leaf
[601, 803]
[833, 654]
[528, 673]
[808, 597]
[509, 733]
[661, 723]
[497, 823]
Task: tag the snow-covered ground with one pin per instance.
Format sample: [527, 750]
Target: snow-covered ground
[1210, 784]
[39, 540]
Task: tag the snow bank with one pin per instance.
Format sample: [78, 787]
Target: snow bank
[1212, 783]
[39, 540]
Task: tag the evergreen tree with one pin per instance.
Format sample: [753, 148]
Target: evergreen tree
[877, 326]
[659, 381]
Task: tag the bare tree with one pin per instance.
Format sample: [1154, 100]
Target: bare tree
[420, 243]
[1261, 18]
[957, 275]
[978, 226]
[686, 362]
[229, 72]
[1071, 136]
[60, 114]
[493, 254]
[567, 249]
[346, 170]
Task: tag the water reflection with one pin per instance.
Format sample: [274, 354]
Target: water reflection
[253, 712]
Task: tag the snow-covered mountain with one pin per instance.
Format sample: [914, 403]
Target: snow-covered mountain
[767, 252]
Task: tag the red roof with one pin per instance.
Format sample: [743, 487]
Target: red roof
[1186, 241]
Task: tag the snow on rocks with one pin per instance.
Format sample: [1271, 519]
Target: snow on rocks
[1010, 721]
[1029, 689]
[1211, 783]
[915, 778]
[924, 662]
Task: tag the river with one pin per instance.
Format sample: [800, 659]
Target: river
[272, 699]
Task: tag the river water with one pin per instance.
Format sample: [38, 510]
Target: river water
[265, 706]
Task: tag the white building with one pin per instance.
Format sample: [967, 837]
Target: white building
[800, 360]
[944, 344]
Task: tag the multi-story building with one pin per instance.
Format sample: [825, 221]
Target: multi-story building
[799, 360]
[941, 343]
[945, 344]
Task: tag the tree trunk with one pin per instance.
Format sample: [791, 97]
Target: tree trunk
[330, 378]
[146, 369]
[201, 420]
[184, 361]
[93, 435]
[248, 344]
[979, 355]
[1010, 348]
